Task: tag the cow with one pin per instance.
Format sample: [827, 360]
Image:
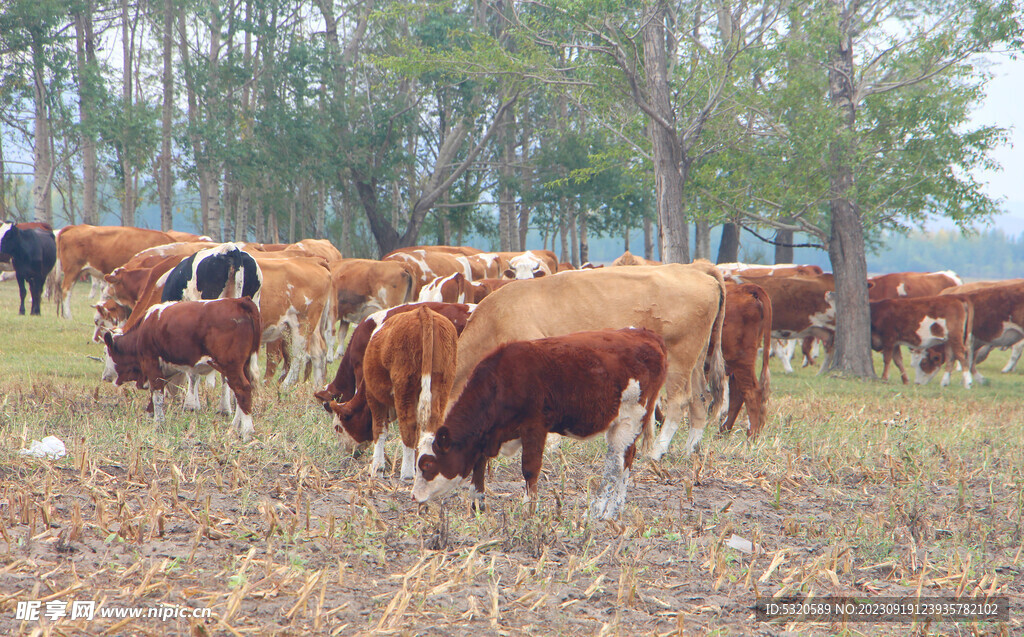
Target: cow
[531, 264]
[1015, 350]
[408, 368]
[628, 258]
[32, 251]
[802, 306]
[295, 300]
[187, 237]
[456, 288]
[778, 269]
[223, 271]
[364, 286]
[684, 303]
[920, 323]
[897, 284]
[427, 265]
[998, 322]
[97, 250]
[126, 287]
[223, 335]
[350, 370]
[579, 385]
[747, 328]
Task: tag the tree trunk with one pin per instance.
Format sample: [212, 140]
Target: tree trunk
[3, 182]
[127, 171]
[563, 232]
[729, 246]
[41, 151]
[584, 240]
[784, 244]
[86, 56]
[166, 180]
[507, 195]
[669, 167]
[702, 245]
[625, 238]
[648, 238]
[852, 354]
[524, 204]
[573, 244]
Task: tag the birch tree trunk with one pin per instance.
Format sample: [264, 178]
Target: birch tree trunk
[41, 150]
[165, 182]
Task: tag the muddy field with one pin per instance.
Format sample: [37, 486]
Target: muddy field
[855, 489]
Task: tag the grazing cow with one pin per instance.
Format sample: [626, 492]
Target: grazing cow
[223, 271]
[531, 264]
[628, 258]
[802, 306]
[427, 265]
[779, 269]
[126, 287]
[364, 286]
[998, 322]
[684, 303]
[350, 370]
[32, 251]
[295, 300]
[897, 284]
[456, 288]
[97, 250]
[1016, 349]
[920, 323]
[747, 328]
[408, 368]
[579, 385]
[223, 335]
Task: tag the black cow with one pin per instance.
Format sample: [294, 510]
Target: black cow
[33, 250]
[209, 274]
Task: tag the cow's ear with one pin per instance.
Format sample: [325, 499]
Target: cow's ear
[442, 440]
[508, 274]
[538, 273]
[109, 340]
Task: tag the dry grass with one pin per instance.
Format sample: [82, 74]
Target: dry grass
[855, 488]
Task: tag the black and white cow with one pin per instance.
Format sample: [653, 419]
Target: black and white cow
[33, 251]
[224, 271]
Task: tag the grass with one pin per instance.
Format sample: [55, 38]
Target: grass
[855, 487]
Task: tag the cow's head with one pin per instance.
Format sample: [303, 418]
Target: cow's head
[352, 420]
[109, 316]
[442, 465]
[8, 234]
[926, 363]
[525, 266]
[120, 367]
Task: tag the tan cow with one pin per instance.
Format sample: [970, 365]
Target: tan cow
[97, 250]
[683, 303]
[295, 301]
[628, 258]
[364, 286]
[408, 369]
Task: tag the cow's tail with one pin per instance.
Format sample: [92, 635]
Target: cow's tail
[411, 290]
[716, 366]
[969, 333]
[56, 276]
[427, 349]
[766, 325]
[256, 322]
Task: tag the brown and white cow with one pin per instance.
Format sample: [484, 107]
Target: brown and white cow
[920, 323]
[187, 237]
[98, 250]
[911, 284]
[1017, 348]
[531, 264]
[408, 368]
[223, 335]
[126, 286]
[579, 385]
[684, 303]
[998, 322]
[350, 370]
[778, 269]
[295, 302]
[364, 286]
[747, 328]
[802, 306]
[456, 288]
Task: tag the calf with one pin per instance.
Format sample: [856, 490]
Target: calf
[456, 288]
[350, 370]
[578, 385]
[223, 335]
[409, 368]
[747, 328]
[223, 271]
[920, 323]
[33, 251]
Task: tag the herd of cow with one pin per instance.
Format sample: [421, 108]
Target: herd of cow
[476, 354]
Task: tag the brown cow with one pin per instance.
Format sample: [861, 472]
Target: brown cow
[998, 322]
[456, 288]
[223, 335]
[747, 328]
[350, 370]
[920, 323]
[97, 250]
[187, 237]
[899, 284]
[364, 286]
[579, 385]
[1015, 350]
[684, 303]
[778, 269]
[409, 366]
[126, 286]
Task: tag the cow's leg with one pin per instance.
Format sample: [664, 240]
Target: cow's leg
[225, 398]
[479, 471]
[806, 346]
[297, 348]
[1015, 353]
[342, 335]
[238, 382]
[21, 292]
[192, 402]
[897, 357]
[533, 434]
[736, 399]
[406, 392]
[95, 286]
[35, 286]
[886, 361]
[677, 390]
[377, 464]
[757, 408]
[980, 354]
[699, 401]
[157, 398]
[318, 354]
[784, 351]
[621, 436]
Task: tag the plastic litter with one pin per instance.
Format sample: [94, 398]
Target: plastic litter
[49, 447]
